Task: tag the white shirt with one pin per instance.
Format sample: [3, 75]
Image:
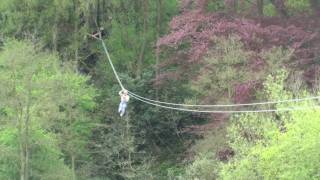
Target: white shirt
[124, 96]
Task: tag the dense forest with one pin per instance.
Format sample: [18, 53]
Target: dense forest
[59, 96]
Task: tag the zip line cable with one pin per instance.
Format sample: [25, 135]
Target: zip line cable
[226, 105]
[230, 111]
[158, 103]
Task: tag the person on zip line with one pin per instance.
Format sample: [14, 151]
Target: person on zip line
[124, 101]
[98, 34]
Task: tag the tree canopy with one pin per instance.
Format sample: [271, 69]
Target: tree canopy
[59, 97]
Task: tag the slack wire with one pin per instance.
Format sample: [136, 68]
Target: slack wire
[299, 108]
[169, 105]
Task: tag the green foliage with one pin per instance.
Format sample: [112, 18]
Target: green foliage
[40, 96]
[269, 10]
[224, 67]
[44, 150]
[215, 5]
[276, 56]
[166, 170]
[247, 130]
[266, 146]
[203, 167]
[206, 163]
[48, 111]
[298, 6]
[289, 155]
[250, 8]
[275, 147]
[212, 142]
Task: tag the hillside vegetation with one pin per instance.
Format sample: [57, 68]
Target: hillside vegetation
[59, 96]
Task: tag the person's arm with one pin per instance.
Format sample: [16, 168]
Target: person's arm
[94, 36]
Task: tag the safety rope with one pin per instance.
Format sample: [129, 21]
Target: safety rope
[158, 103]
[300, 108]
[227, 105]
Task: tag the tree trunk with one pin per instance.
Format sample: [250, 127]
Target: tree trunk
[20, 132]
[231, 6]
[260, 8]
[73, 167]
[21, 145]
[315, 5]
[280, 7]
[55, 33]
[76, 29]
[27, 143]
[144, 38]
[26, 136]
[98, 13]
[128, 141]
[159, 8]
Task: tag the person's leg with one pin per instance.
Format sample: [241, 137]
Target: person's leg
[123, 109]
[120, 107]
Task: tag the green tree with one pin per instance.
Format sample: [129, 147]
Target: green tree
[280, 146]
[45, 160]
[33, 92]
[223, 68]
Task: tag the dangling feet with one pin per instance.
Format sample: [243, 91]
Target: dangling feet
[120, 110]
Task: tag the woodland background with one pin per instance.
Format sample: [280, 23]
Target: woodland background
[59, 98]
